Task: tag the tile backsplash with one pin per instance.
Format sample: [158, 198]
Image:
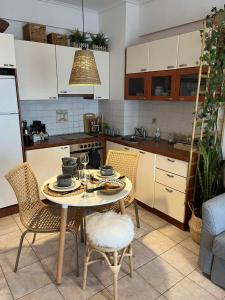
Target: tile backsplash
[45, 111]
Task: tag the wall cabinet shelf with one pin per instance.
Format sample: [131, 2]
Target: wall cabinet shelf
[136, 86]
[7, 50]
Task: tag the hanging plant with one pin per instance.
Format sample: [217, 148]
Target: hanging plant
[79, 39]
[99, 41]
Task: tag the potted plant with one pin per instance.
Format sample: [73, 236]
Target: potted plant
[99, 41]
[210, 167]
[79, 39]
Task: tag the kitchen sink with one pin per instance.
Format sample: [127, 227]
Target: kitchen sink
[136, 139]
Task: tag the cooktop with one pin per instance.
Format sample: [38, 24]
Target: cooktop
[75, 136]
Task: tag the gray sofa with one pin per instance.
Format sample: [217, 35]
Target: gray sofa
[212, 247]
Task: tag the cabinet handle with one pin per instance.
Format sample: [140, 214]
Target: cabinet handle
[170, 98]
[183, 65]
[126, 148]
[181, 99]
[170, 176]
[52, 97]
[168, 190]
[143, 70]
[142, 152]
[170, 67]
[11, 65]
[6, 65]
[170, 160]
[197, 63]
[65, 147]
[98, 97]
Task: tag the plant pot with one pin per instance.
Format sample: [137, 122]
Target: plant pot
[195, 225]
[99, 48]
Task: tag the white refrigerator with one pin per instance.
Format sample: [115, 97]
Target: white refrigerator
[10, 137]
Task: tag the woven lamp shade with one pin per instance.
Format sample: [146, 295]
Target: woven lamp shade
[84, 70]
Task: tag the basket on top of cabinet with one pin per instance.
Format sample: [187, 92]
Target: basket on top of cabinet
[34, 32]
[57, 39]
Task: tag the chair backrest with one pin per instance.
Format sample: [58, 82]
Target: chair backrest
[25, 186]
[125, 163]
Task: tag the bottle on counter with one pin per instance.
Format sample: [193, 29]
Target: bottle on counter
[157, 135]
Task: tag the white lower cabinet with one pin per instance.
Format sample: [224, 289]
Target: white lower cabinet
[47, 162]
[169, 201]
[115, 146]
[145, 177]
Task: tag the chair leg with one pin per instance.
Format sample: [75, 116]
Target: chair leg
[136, 213]
[85, 235]
[131, 260]
[19, 249]
[34, 238]
[115, 275]
[77, 257]
[82, 230]
[86, 260]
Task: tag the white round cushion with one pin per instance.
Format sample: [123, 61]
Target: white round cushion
[110, 230]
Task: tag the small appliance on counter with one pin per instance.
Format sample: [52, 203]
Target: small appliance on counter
[38, 131]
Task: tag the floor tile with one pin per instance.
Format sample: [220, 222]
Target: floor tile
[7, 225]
[186, 290]
[141, 254]
[191, 245]
[160, 274]
[5, 293]
[153, 220]
[174, 233]
[10, 241]
[157, 242]
[135, 288]
[8, 259]
[103, 295]
[131, 210]
[49, 292]
[69, 265]
[27, 280]
[161, 298]
[71, 287]
[143, 230]
[182, 259]
[102, 271]
[208, 285]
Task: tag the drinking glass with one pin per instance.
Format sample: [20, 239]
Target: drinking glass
[85, 160]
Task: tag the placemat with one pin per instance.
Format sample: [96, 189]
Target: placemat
[49, 192]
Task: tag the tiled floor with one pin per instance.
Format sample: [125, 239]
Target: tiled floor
[165, 267]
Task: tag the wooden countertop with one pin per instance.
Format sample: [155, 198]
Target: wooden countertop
[162, 147]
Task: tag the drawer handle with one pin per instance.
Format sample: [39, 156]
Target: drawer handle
[126, 148]
[11, 65]
[168, 190]
[183, 65]
[170, 67]
[170, 98]
[141, 152]
[143, 70]
[170, 160]
[6, 65]
[181, 99]
[170, 176]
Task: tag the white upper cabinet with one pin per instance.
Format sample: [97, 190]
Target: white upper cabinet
[36, 70]
[189, 49]
[102, 61]
[137, 59]
[163, 54]
[65, 57]
[7, 51]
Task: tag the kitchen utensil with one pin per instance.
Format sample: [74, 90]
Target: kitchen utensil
[112, 187]
[64, 180]
[87, 118]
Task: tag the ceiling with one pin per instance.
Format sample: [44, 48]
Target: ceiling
[96, 5]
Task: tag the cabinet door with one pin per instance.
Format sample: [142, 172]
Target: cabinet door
[7, 50]
[36, 70]
[163, 54]
[115, 146]
[65, 57]
[145, 177]
[137, 58]
[102, 61]
[47, 162]
[189, 49]
[170, 202]
[136, 86]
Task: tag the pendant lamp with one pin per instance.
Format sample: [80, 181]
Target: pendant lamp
[84, 70]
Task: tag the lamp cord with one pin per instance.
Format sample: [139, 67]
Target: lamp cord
[83, 15]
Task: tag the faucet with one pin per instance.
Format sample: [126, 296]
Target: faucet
[141, 132]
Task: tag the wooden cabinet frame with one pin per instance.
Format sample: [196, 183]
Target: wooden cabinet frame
[132, 76]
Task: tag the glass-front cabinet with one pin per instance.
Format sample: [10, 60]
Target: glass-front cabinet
[161, 85]
[187, 84]
[136, 86]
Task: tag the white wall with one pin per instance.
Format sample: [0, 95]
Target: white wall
[48, 13]
[156, 15]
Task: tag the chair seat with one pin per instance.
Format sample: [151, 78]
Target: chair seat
[219, 245]
[110, 230]
[48, 219]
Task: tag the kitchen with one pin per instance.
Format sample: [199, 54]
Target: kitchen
[143, 108]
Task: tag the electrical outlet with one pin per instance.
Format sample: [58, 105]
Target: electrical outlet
[154, 121]
[61, 116]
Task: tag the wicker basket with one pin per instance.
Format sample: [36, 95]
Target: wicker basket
[57, 39]
[195, 225]
[35, 32]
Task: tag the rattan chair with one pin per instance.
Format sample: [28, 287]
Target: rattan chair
[36, 216]
[126, 164]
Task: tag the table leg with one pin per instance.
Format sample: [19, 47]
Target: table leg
[61, 244]
[122, 207]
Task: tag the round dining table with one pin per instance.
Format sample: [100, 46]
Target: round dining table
[81, 200]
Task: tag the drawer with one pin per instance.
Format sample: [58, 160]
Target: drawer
[172, 165]
[170, 202]
[171, 180]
